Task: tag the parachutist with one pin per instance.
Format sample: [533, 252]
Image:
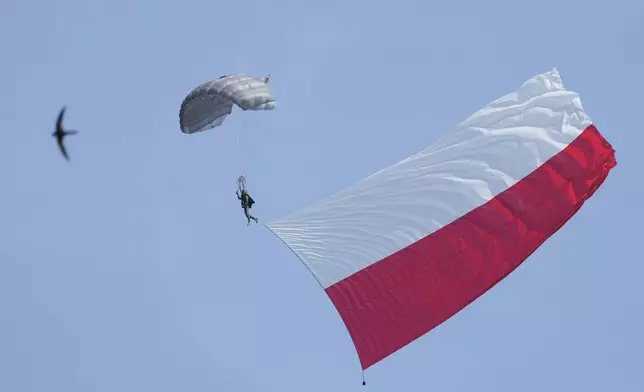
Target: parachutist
[246, 203]
[60, 133]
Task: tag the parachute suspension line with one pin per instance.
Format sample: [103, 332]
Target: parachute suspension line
[241, 180]
[238, 155]
[240, 169]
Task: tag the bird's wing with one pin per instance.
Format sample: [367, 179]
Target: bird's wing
[62, 149]
[59, 123]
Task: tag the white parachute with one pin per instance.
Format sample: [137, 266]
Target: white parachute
[208, 105]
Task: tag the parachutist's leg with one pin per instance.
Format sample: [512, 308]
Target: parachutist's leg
[248, 216]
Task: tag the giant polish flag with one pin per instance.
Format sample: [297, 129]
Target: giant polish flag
[405, 249]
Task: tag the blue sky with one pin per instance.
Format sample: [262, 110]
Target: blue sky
[131, 267]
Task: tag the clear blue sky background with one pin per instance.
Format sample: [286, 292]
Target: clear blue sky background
[132, 269]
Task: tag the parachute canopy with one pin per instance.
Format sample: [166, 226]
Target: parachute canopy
[209, 104]
[403, 250]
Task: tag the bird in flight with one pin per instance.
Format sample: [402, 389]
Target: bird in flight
[60, 133]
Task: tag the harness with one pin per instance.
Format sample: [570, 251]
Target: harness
[246, 200]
